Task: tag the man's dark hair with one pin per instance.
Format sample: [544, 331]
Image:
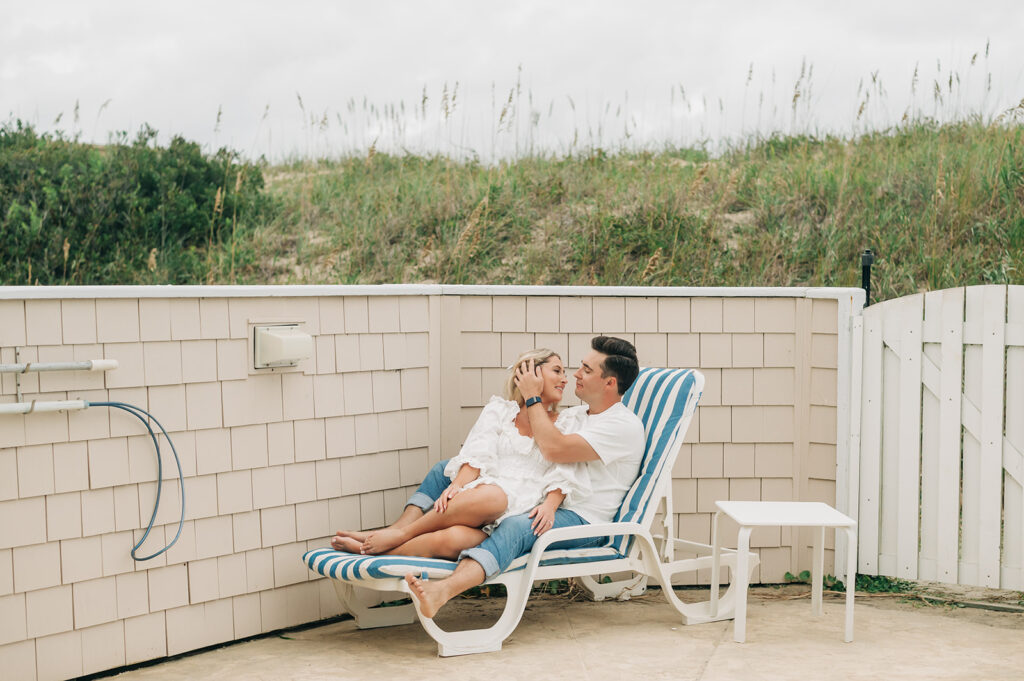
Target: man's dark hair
[620, 360]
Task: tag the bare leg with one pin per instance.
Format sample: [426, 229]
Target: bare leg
[431, 594]
[409, 515]
[474, 507]
[447, 543]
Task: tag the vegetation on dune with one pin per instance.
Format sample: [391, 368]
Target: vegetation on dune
[941, 205]
[128, 212]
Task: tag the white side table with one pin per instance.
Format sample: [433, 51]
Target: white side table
[751, 514]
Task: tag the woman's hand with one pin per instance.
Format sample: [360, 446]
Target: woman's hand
[543, 518]
[441, 505]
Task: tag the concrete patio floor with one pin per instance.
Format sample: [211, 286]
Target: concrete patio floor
[563, 639]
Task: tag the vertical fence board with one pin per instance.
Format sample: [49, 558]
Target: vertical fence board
[909, 441]
[970, 534]
[888, 530]
[930, 407]
[947, 540]
[1013, 487]
[870, 443]
[991, 474]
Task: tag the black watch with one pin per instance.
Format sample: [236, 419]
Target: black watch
[532, 401]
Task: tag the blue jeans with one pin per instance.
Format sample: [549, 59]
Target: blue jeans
[512, 538]
[430, 489]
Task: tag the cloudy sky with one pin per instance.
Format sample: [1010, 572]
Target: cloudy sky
[323, 78]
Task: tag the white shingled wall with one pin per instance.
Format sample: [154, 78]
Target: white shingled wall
[275, 461]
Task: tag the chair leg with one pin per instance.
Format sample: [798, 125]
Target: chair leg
[696, 613]
[621, 590]
[452, 643]
[360, 602]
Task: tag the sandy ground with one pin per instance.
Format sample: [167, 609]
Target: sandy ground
[561, 638]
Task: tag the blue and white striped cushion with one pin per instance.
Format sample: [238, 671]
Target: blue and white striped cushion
[355, 567]
[662, 398]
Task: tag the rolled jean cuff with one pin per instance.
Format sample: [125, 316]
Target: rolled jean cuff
[421, 501]
[486, 559]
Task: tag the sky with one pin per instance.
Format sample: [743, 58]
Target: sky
[317, 78]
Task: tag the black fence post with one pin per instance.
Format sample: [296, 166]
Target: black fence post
[867, 258]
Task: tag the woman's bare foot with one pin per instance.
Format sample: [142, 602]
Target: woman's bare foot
[427, 595]
[383, 541]
[358, 536]
[346, 544]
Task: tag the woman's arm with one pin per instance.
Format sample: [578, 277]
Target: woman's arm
[544, 514]
[466, 475]
[481, 445]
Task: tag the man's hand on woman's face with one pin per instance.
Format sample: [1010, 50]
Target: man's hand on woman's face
[529, 380]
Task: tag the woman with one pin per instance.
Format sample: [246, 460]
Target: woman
[499, 472]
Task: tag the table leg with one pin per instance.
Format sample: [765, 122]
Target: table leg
[851, 579]
[716, 559]
[740, 577]
[818, 569]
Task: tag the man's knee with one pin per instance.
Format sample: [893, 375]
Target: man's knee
[515, 525]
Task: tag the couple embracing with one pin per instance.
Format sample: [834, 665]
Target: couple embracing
[525, 468]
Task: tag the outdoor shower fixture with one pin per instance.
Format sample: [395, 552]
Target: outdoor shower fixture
[38, 406]
[19, 368]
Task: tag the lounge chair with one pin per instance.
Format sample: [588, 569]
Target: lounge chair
[665, 400]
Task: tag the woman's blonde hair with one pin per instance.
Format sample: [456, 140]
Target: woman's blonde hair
[539, 356]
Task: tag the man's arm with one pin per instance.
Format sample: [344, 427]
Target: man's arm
[556, 446]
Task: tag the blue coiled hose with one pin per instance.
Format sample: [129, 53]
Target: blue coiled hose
[138, 413]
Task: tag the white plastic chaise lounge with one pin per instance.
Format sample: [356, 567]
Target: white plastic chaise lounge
[665, 400]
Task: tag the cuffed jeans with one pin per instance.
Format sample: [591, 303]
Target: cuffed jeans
[430, 489]
[512, 538]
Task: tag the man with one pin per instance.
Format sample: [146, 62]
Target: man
[611, 444]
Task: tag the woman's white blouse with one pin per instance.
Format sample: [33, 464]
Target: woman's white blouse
[514, 462]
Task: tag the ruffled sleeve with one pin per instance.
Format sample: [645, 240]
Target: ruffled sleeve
[571, 419]
[481, 447]
[573, 479]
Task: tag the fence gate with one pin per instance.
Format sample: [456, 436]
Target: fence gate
[940, 488]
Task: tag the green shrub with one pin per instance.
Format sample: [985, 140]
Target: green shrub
[75, 213]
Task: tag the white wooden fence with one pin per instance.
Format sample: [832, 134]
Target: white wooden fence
[940, 483]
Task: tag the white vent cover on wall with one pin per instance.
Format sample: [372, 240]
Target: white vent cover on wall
[282, 345]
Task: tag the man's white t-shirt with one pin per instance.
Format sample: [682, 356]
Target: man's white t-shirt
[617, 435]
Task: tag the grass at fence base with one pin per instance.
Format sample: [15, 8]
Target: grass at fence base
[865, 583]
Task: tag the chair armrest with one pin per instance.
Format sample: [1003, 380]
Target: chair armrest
[584, 532]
